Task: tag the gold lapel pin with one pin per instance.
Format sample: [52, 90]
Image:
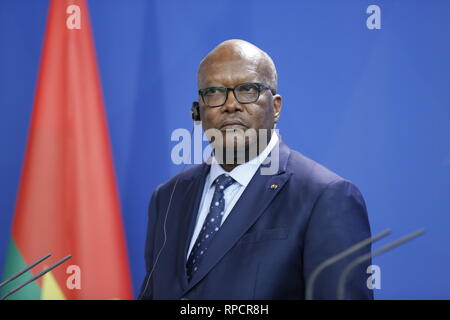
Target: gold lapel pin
[274, 186]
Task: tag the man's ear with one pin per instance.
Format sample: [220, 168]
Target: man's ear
[277, 102]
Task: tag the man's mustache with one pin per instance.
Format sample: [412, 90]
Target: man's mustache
[234, 121]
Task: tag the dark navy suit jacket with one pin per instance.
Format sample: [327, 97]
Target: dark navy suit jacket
[269, 244]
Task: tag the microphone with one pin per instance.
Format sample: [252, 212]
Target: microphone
[18, 274]
[36, 276]
[367, 256]
[330, 261]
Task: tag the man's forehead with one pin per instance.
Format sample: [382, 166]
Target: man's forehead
[233, 62]
[229, 72]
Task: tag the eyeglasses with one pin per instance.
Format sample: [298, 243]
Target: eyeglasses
[244, 93]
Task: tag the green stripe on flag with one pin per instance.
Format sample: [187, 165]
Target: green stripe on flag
[15, 263]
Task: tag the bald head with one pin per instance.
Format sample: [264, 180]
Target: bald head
[231, 64]
[233, 52]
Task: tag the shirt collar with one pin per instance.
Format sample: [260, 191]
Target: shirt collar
[243, 173]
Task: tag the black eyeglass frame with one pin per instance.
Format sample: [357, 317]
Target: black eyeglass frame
[259, 85]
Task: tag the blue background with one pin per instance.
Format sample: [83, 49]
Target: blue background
[372, 105]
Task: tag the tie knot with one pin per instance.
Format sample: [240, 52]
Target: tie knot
[224, 181]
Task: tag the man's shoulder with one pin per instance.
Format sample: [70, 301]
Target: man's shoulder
[185, 175]
[312, 179]
[308, 172]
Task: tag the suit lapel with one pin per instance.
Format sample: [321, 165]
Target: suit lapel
[256, 198]
[190, 206]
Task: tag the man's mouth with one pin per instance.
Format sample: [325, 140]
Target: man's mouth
[232, 125]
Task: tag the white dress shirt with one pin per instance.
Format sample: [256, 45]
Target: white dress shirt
[242, 174]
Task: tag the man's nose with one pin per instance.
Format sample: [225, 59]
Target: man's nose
[231, 104]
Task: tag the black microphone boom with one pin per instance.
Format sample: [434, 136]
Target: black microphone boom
[18, 274]
[365, 257]
[36, 277]
[312, 278]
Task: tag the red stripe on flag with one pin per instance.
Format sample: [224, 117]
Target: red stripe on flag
[68, 200]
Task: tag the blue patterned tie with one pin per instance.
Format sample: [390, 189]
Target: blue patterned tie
[210, 226]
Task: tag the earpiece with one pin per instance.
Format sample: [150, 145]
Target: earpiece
[147, 281]
[195, 111]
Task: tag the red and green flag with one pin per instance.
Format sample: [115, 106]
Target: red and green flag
[67, 200]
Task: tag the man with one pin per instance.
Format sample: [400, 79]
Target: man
[224, 230]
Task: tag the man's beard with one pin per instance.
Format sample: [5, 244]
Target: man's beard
[234, 147]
